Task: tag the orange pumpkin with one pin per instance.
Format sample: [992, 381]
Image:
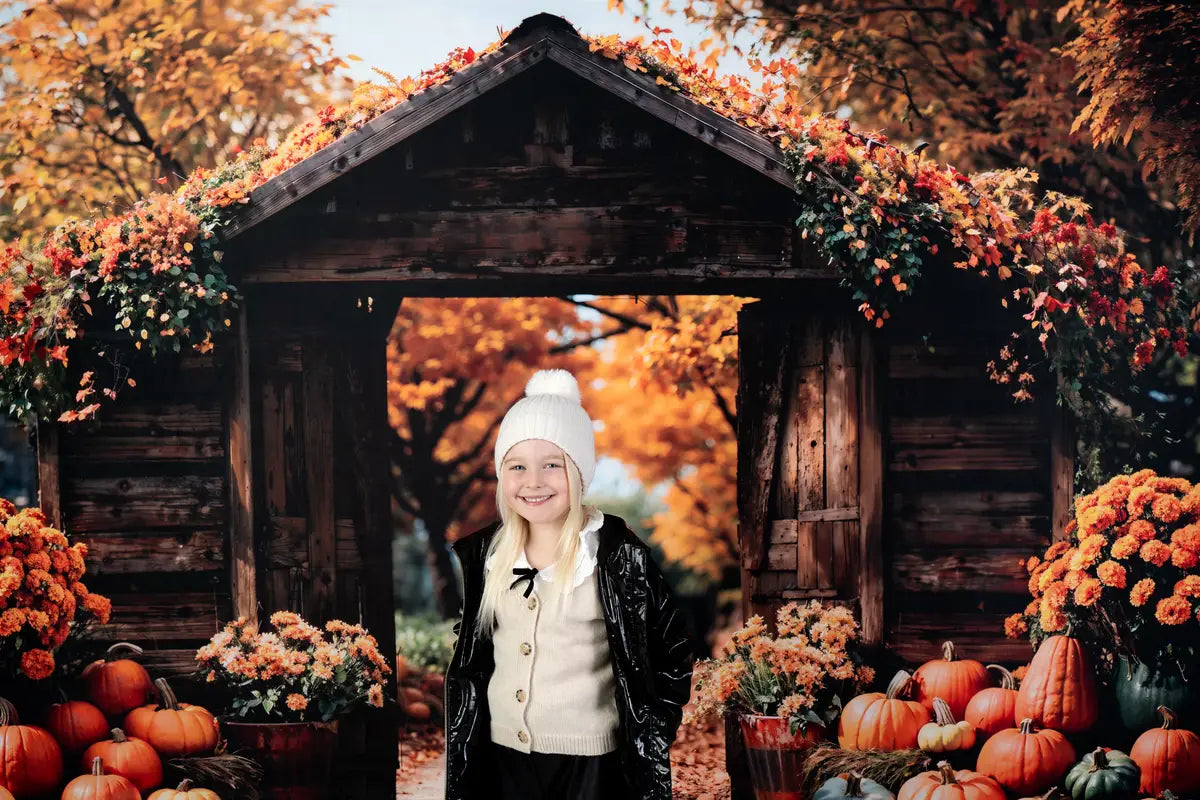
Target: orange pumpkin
[953, 679]
[5, 794]
[76, 724]
[30, 760]
[1169, 758]
[98, 786]
[130, 758]
[1025, 761]
[117, 685]
[171, 727]
[993, 709]
[876, 721]
[1059, 688]
[946, 784]
[184, 791]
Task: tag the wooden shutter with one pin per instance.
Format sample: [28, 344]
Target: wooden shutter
[808, 446]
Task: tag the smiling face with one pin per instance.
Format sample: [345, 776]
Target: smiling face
[533, 478]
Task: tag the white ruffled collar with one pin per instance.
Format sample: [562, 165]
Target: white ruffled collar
[585, 555]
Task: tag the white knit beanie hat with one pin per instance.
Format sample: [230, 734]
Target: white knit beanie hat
[551, 410]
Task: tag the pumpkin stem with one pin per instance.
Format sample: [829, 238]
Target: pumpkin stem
[119, 736]
[169, 700]
[947, 773]
[1053, 793]
[8, 713]
[948, 651]
[942, 712]
[184, 785]
[1099, 760]
[109, 655]
[1007, 681]
[899, 683]
[854, 784]
[1026, 726]
[97, 766]
[1169, 718]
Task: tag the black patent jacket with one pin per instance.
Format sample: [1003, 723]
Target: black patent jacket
[651, 659]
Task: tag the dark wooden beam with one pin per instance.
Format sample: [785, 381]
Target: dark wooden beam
[317, 380]
[1062, 471]
[870, 493]
[243, 575]
[49, 481]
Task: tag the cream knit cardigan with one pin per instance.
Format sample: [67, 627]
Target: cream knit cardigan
[553, 689]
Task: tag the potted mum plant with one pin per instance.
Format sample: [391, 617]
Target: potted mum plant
[288, 687]
[786, 690]
[1126, 583]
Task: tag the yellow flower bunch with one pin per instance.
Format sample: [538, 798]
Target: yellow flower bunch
[802, 672]
[1133, 546]
[297, 673]
[41, 593]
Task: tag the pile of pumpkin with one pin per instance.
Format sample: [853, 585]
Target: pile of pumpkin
[117, 738]
[420, 693]
[1022, 734]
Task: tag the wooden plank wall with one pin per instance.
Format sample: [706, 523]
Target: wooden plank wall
[145, 488]
[967, 488]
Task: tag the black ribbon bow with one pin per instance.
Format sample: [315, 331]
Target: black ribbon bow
[524, 574]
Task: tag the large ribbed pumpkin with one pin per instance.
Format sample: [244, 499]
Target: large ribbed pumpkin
[946, 784]
[99, 786]
[876, 721]
[171, 727]
[184, 791]
[129, 758]
[30, 760]
[1025, 761]
[955, 680]
[117, 685]
[75, 725]
[1059, 688]
[1169, 758]
[993, 709]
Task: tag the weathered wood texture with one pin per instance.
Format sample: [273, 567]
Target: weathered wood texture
[967, 487]
[145, 488]
[476, 200]
[800, 477]
[321, 479]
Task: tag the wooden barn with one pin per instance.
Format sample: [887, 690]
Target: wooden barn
[878, 467]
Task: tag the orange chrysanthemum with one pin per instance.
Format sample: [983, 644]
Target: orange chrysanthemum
[1173, 610]
[1124, 547]
[1167, 508]
[1188, 587]
[1155, 552]
[1088, 592]
[1142, 530]
[1140, 594]
[1112, 574]
[37, 664]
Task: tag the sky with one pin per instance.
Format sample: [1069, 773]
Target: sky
[404, 37]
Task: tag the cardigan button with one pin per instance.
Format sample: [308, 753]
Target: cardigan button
[532, 604]
[526, 649]
[523, 737]
[520, 695]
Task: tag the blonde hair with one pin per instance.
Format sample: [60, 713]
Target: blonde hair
[510, 540]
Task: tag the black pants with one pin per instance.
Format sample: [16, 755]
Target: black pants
[552, 776]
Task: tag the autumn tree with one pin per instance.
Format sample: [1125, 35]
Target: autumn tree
[104, 101]
[667, 402]
[455, 366]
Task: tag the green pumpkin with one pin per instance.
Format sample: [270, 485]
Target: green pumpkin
[1141, 690]
[1104, 775]
[852, 786]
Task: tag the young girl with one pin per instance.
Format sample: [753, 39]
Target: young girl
[572, 664]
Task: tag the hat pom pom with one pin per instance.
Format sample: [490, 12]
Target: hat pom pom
[553, 381]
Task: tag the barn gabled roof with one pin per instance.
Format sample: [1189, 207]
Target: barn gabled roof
[543, 37]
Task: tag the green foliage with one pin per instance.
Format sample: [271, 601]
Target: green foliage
[425, 641]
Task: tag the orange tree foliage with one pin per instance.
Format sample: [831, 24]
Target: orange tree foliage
[455, 366]
[1132, 60]
[666, 398]
[102, 99]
